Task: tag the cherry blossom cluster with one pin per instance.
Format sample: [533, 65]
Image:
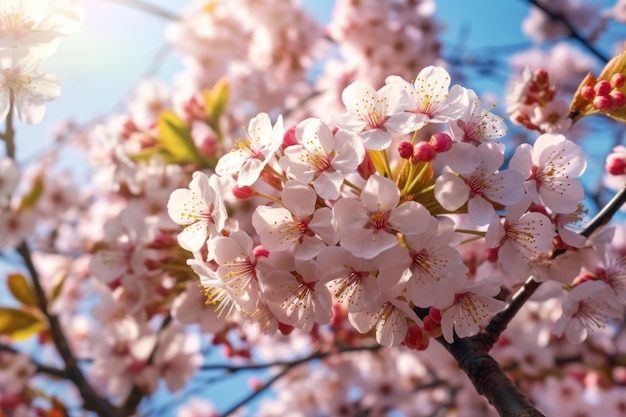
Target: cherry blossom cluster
[30, 32]
[340, 217]
[261, 54]
[398, 218]
[583, 17]
[533, 103]
[411, 35]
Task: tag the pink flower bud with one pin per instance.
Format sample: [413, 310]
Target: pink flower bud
[603, 102]
[541, 77]
[615, 166]
[602, 88]
[193, 109]
[588, 93]
[405, 149]
[491, 255]
[260, 251]
[424, 152]
[244, 193]
[431, 327]
[618, 99]
[285, 329]
[289, 137]
[207, 145]
[128, 128]
[416, 338]
[441, 142]
[617, 80]
[366, 168]
[435, 314]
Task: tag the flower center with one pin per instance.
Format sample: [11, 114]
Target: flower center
[379, 221]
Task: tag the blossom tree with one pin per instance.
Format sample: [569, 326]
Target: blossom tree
[379, 240]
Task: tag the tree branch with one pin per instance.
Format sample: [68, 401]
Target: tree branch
[150, 8]
[500, 321]
[574, 34]
[40, 368]
[92, 401]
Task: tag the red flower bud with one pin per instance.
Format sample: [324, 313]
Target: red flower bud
[617, 80]
[423, 152]
[441, 142]
[602, 88]
[405, 149]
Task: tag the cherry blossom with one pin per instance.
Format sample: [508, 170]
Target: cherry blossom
[294, 291]
[473, 306]
[367, 225]
[237, 268]
[24, 87]
[389, 316]
[298, 224]
[476, 125]
[480, 186]
[376, 116]
[519, 237]
[199, 209]
[321, 157]
[431, 99]
[588, 307]
[249, 156]
[550, 167]
[176, 358]
[432, 263]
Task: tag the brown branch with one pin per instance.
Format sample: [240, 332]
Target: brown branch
[501, 320]
[40, 368]
[92, 400]
[574, 34]
[489, 379]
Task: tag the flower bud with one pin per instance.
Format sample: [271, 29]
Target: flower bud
[588, 93]
[416, 338]
[405, 149]
[285, 329]
[435, 314]
[431, 327]
[289, 137]
[441, 142]
[423, 152]
[618, 99]
[366, 168]
[615, 166]
[603, 102]
[617, 80]
[541, 77]
[602, 88]
[244, 193]
[260, 251]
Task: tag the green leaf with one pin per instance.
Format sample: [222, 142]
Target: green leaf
[30, 199]
[215, 102]
[57, 285]
[21, 289]
[175, 136]
[19, 324]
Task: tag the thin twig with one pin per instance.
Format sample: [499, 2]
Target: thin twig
[557, 17]
[501, 320]
[150, 8]
[92, 400]
[39, 367]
